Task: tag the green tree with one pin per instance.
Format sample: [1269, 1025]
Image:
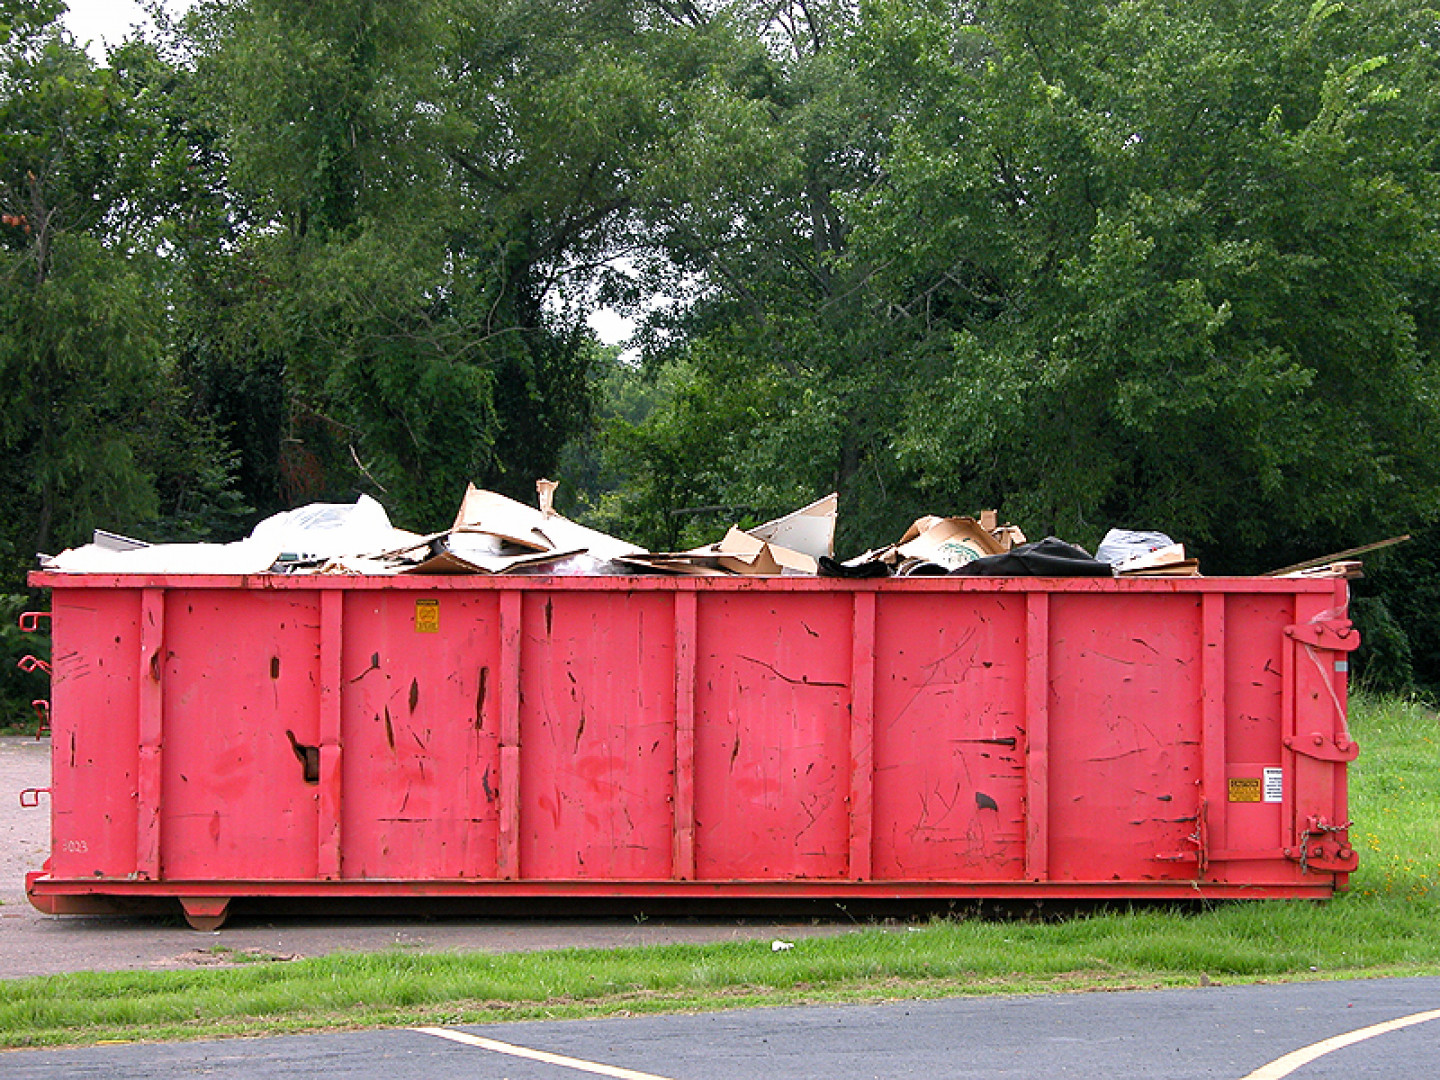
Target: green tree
[82, 342]
[424, 196]
[752, 213]
[1175, 277]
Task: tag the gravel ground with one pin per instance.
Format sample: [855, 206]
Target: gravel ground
[36, 944]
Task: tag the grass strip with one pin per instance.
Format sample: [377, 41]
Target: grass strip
[1385, 926]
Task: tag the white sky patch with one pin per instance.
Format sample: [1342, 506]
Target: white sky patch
[610, 326]
[102, 24]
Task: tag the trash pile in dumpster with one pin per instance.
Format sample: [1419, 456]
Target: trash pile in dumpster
[493, 534]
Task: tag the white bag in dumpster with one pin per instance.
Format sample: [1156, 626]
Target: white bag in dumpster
[1121, 545]
[309, 533]
[330, 530]
[241, 557]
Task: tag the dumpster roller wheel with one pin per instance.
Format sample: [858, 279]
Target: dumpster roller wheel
[206, 913]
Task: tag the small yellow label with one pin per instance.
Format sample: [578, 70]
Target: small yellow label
[427, 621]
[1245, 789]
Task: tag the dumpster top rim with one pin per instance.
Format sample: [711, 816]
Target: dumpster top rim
[654, 583]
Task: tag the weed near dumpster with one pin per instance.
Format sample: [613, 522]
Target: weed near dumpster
[1384, 926]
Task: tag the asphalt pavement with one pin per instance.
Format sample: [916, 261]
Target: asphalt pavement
[1211, 1032]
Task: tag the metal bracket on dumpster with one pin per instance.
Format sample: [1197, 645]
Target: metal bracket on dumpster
[32, 663]
[31, 796]
[30, 621]
[1317, 746]
[1324, 847]
[42, 713]
[1200, 838]
[1337, 635]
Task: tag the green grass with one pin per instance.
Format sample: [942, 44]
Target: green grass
[1385, 926]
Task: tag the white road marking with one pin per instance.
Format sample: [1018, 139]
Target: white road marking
[537, 1055]
[1290, 1062]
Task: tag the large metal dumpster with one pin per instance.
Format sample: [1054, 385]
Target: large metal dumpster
[780, 737]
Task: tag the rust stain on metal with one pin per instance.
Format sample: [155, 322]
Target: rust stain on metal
[549, 615]
[985, 802]
[414, 694]
[275, 667]
[480, 693]
[389, 729]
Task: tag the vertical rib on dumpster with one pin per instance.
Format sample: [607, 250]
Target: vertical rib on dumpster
[684, 783]
[1288, 757]
[862, 737]
[1212, 832]
[509, 802]
[152, 667]
[1340, 680]
[1037, 736]
[331, 607]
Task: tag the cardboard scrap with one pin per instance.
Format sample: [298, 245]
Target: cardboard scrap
[1349, 569]
[809, 530]
[1168, 561]
[938, 545]
[792, 544]
[1008, 536]
[738, 553]
[494, 534]
[948, 543]
[1325, 560]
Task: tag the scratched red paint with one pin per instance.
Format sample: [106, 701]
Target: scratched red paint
[652, 736]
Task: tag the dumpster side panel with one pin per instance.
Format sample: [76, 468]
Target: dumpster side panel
[241, 693]
[94, 742]
[1125, 767]
[572, 737]
[949, 738]
[597, 735]
[772, 735]
[421, 735]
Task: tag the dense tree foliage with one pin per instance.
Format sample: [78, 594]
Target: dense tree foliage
[1139, 264]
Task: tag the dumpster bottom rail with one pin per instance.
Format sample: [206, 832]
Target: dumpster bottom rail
[205, 903]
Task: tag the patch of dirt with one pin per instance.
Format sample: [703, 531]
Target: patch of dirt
[223, 957]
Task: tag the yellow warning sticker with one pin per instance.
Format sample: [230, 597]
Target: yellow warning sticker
[427, 621]
[1244, 789]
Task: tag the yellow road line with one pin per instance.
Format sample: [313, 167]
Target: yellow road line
[1290, 1062]
[537, 1055]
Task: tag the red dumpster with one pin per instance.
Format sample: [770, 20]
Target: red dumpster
[313, 736]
